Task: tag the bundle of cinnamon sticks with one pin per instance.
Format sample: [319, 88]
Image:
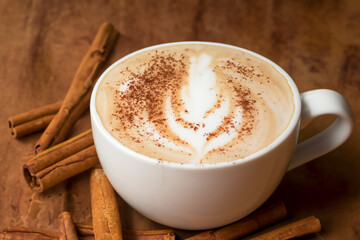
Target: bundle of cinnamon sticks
[58, 160]
[107, 224]
[61, 162]
[78, 96]
[64, 159]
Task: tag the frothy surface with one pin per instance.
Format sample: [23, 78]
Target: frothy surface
[194, 103]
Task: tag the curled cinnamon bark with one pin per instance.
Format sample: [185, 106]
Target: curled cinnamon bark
[20, 233]
[66, 227]
[296, 229]
[78, 111]
[38, 119]
[105, 212]
[164, 234]
[81, 85]
[61, 162]
[84, 232]
[33, 121]
[257, 220]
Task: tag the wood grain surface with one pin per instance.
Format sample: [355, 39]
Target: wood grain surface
[316, 42]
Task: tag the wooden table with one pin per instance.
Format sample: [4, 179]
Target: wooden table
[316, 42]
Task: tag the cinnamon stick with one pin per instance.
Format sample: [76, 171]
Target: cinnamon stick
[61, 162]
[149, 235]
[78, 111]
[20, 233]
[33, 121]
[84, 232]
[27, 123]
[259, 219]
[165, 234]
[296, 229]
[66, 227]
[105, 212]
[82, 83]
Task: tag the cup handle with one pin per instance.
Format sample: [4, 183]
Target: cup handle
[316, 103]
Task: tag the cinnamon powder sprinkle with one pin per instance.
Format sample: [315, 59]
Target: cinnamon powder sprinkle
[147, 89]
[151, 83]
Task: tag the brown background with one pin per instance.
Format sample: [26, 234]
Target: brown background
[316, 42]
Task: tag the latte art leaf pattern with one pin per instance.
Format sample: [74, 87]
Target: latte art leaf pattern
[191, 105]
[201, 110]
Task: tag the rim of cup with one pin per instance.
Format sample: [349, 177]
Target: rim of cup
[282, 137]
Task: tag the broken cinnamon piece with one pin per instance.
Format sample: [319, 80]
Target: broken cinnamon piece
[34, 120]
[66, 227]
[20, 233]
[257, 220]
[296, 229]
[82, 83]
[61, 162]
[105, 212]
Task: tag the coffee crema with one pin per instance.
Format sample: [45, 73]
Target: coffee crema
[194, 103]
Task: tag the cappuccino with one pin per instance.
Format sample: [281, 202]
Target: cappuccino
[194, 103]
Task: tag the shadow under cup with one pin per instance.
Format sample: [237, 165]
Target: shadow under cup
[195, 196]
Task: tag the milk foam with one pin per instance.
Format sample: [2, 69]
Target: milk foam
[194, 104]
[200, 95]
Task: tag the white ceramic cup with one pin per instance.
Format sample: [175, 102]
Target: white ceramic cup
[189, 196]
